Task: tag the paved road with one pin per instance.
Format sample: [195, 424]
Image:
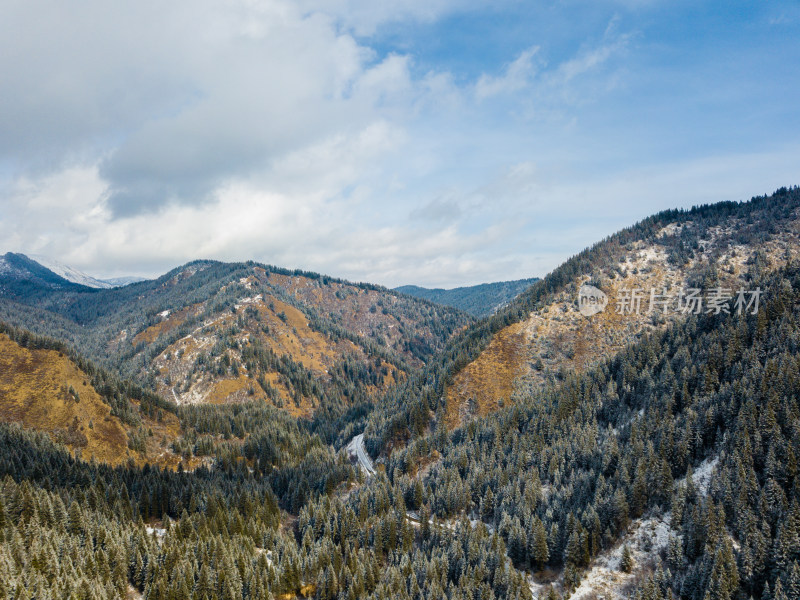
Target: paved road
[356, 446]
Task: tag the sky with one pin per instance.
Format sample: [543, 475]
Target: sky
[431, 142]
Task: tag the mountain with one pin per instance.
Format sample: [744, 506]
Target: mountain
[621, 454]
[37, 271]
[46, 386]
[33, 268]
[541, 336]
[645, 475]
[218, 332]
[123, 281]
[69, 273]
[478, 300]
[557, 449]
[21, 276]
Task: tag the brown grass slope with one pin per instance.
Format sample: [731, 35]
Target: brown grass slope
[43, 389]
[262, 314]
[556, 338]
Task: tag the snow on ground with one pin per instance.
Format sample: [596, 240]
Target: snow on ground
[701, 477]
[68, 273]
[646, 538]
[604, 579]
[539, 590]
[250, 300]
[670, 229]
[260, 551]
[157, 530]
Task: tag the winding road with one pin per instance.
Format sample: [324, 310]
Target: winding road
[356, 447]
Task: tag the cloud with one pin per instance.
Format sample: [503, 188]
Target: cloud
[364, 17]
[183, 98]
[138, 136]
[504, 229]
[516, 76]
[438, 209]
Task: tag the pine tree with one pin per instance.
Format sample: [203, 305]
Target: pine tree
[626, 561]
[778, 593]
[793, 581]
[541, 553]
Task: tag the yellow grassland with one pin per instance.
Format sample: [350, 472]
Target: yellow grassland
[34, 391]
[554, 337]
[172, 321]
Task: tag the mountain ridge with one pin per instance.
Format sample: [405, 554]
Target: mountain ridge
[478, 300]
[69, 273]
[438, 388]
[209, 331]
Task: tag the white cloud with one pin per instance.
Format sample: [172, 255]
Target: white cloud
[138, 136]
[363, 17]
[516, 76]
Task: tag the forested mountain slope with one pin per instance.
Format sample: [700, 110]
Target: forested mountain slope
[217, 332]
[705, 250]
[541, 336]
[21, 276]
[478, 300]
[574, 469]
[69, 273]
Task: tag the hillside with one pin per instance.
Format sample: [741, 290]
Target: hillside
[541, 336]
[69, 273]
[212, 332]
[705, 250]
[42, 389]
[629, 456]
[478, 300]
[679, 452]
[47, 387]
[21, 277]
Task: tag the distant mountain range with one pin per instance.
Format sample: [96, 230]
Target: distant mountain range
[478, 300]
[32, 265]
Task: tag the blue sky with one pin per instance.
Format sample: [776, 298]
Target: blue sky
[439, 143]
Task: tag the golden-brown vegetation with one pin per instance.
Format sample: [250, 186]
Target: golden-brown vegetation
[43, 389]
[557, 338]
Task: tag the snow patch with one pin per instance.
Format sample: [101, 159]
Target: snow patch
[268, 553]
[701, 477]
[156, 530]
[69, 273]
[604, 579]
[254, 300]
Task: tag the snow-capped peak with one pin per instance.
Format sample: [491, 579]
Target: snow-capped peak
[68, 273]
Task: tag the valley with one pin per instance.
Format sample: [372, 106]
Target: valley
[238, 430]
